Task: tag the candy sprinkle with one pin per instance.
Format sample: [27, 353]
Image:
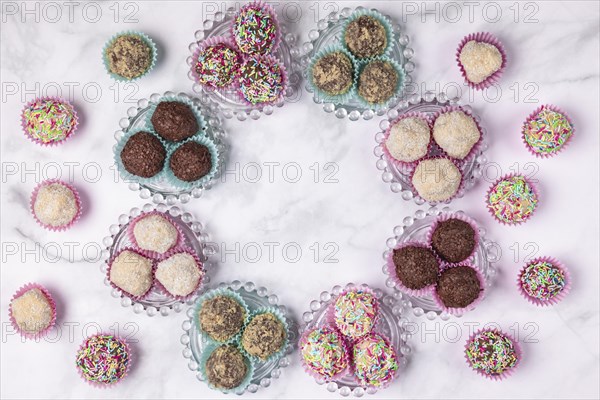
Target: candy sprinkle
[261, 80]
[512, 200]
[254, 30]
[324, 352]
[491, 353]
[355, 313]
[547, 132]
[542, 280]
[49, 120]
[217, 65]
[103, 359]
[375, 361]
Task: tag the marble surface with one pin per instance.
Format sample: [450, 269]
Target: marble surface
[345, 208]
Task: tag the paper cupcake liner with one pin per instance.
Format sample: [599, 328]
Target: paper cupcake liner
[331, 310]
[456, 310]
[279, 315]
[387, 25]
[149, 253]
[101, 385]
[210, 295]
[445, 217]
[407, 165]
[508, 372]
[216, 159]
[284, 84]
[128, 176]
[488, 38]
[228, 41]
[461, 185]
[164, 290]
[124, 292]
[179, 99]
[476, 147]
[397, 91]
[323, 96]
[267, 9]
[532, 117]
[391, 270]
[508, 176]
[315, 374]
[560, 296]
[22, 290]
[55, 99]
[77, 201]
[388, 342]
[204, 376]
[146, 40]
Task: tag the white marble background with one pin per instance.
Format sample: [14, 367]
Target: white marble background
[553, 58]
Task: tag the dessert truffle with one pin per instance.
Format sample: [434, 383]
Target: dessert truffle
[55, 205]
[222, 317]
[436, 179]
[512, 199]
[453, 240]
[355, 312]
[480, 60]
[416, 266]
[492, 354]
[154, 232]
[546, 131]
[377, 82]
[47, 120]
[543, 281]
[103, 359]
[217, 65]
[263, 336]
[333, 73]
[261, 80]
[456, 133]
[324, 352]
[143, 155]
[32, 310]
[132, 273]
[226, 367]
[408, 139]
[255, 29]
[458, 287]
[179, 274]
[191, 161]
[365, 37]
[174, 121]
[375, 362]
[129, 56]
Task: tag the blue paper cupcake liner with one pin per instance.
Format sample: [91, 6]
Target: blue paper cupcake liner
[279, 315]
[204, 376]
[216, 159]
[210, 295]
[180, 99]
[128, 176]
[397, 91]
[146, 40]
[321, 95]
[387, 25]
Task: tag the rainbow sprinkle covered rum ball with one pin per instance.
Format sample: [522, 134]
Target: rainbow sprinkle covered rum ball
[217, 65]
[546, 131]
[103, 359]
[48, 120]
[324, 352]
[492, 354]
[261, 80]
[375, 362]
[255, 29]
[512, 199]
[355, 313]
[543, 281]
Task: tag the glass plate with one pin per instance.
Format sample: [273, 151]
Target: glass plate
[229, 101]
[391, 324]
[195, 238]
[327, 33]
[400, 181]
[415, 229]
[255, 297]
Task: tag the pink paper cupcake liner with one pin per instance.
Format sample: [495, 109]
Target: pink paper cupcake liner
[461, 185]
[123, 292]
[24, 289]
[149, 253]
[460, 311]
[284, 84]
[508, 372]
[476, 147]
[331, 309]
[488, 38]
[403, 165]
[347, 352]
[445, 217]
[532, 117]
[228, 41]
[101, 385]
[267, 9]
[508, 176]
[558, 297]
[200, 283]
[77, 201]
[391, 269]
[49, 98]
[388, 342]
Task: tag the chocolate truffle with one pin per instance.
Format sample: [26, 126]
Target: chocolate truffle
[226, 367]
[221, 317]
[55, 205]
[436, 179]
[366, 37]
[355, 313]
[154, 232]
[48, 120]
[129, 56]
[174, 121]
[377, 82]
[191, 161]
[263, 336]
[143, 155]
[416, 267]
[458, 287]
[409, 139]
[103, 359]
[333, 73]
[132, 273]
[179, 274]
[323, 352]
[32, 311]
[456, 133]
[217, 65]
[453, 240]
[492, 353]
[375, 362]
[480, 60]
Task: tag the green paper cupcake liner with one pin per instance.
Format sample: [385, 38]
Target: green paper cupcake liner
[204, 376]
[210, 295]
[397, 91]
[279, 315]
[387, 25]
[128, 176]
[216, 158]
[146, 40]
[321, 95]
[180, 99]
